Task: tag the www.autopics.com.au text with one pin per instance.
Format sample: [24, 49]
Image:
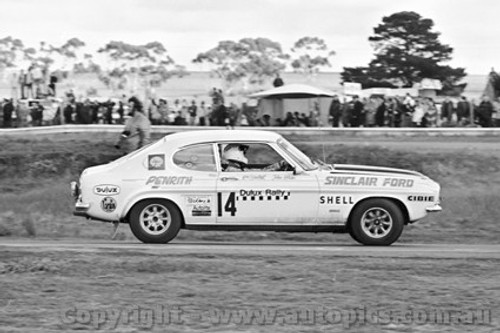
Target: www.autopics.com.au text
[164, 315]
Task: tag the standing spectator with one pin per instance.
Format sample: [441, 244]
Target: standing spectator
[121, 111]
[52, 85]
[70, 96]
[370, 110]
[172, 115]
[346, 113]
[314, 120]
[217, 96]
[409, 102]
[202, 114]
[431, 113]
[290, 120]
[154, 113]
[36, 114]
[68, 113]
[185, 109]
[38, 80]
[418, 114]
[496, 111]
[278, 81]
[179, 119]
[98, 112]
[163, 111]
[356, 116]
[22, 83]
[264, 121]
[485, 112]
[380, 114]
[8, 110]
[221, 96]
[137, 131]
[219, 115]
[28, 82]
[177, 108]
[108, 115]
[13, 79]
[447, 111]
[192, 110]
[86, 112]
[407, 109]
[335, 111]
[22, 111]
[392, 111]
[463, 111]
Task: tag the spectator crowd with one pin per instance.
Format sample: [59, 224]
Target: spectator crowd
[375, 111]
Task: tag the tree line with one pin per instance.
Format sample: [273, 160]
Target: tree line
[406, 50]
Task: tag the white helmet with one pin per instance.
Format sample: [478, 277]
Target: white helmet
[236, 153]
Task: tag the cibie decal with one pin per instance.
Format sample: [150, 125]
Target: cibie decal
[106, 190]
[156, 162]
[421, 198]
[199, 205]
[108, 204]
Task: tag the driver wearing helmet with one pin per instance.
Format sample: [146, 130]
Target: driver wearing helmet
[234, 154]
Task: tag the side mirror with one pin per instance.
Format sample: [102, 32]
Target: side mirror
[296, 172]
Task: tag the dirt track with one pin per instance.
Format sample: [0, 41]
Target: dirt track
[430, 251]
[60, 286]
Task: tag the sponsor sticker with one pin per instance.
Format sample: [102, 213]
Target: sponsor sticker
[368, 181]
[157, 181]
[262, 195]
[156, 162]
[421, 198]
[108, 204]
[106, 190]
[200, 205]
[336, 200]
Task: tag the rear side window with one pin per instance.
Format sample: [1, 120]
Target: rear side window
[197, 158]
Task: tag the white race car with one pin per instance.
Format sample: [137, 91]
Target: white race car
[250, 180]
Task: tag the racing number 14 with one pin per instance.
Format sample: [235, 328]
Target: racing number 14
[230, 205]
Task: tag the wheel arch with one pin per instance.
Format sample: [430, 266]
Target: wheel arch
[398, 202]
[130, 208]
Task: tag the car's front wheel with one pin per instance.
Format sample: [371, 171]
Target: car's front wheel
[155, 221]
[376, 222]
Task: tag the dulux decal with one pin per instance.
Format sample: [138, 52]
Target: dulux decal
[106, 190]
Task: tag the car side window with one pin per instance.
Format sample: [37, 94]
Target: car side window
[198, 158]
[258, 156]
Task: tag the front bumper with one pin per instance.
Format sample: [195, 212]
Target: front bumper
[81, 209]
[434, 209]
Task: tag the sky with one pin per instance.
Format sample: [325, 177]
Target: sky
[189, 27]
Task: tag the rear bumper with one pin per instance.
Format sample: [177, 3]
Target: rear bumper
[434, 209]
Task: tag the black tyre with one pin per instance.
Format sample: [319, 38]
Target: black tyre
[155, 221]
[351, 233]
[376, 222]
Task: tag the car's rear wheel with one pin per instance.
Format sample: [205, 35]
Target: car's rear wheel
[155, 221]
[376, 222]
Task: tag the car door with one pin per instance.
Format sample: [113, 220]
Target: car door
[262, 196]
[196, 163]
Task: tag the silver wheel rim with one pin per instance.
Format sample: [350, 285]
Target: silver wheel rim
[155, 219]
[376, 222]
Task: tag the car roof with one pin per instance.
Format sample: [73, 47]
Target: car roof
[200, 136]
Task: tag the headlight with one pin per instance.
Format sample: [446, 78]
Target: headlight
[75, 190]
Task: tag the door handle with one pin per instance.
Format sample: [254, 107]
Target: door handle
[225, 179]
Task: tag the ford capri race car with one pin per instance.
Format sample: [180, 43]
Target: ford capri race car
[250, 180]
